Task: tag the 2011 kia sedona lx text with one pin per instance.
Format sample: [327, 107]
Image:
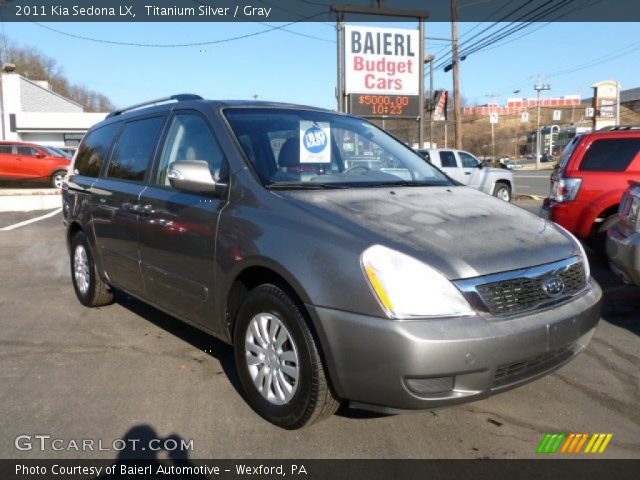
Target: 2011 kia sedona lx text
[339, 264]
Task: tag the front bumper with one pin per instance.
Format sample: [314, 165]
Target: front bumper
[372, 361]
[624, 255]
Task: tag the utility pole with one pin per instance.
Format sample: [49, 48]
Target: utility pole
[538, 87]
[340, 83]
[515, 140]
[431, 59]
[421, 83]
[456, 74]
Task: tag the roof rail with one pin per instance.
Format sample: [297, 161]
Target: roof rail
[618, 128]
[182, 97]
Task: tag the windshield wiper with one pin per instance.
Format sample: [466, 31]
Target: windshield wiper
[305, 186]
[406, 183]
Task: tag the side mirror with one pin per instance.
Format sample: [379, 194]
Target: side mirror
[40, 155]
[193, 176]
[480, 165]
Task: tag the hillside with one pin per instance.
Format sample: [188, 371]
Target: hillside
[510, 132]
[35, 65]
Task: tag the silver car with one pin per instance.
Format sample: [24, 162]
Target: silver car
[340, 265]
[468, 170]
[623, 239]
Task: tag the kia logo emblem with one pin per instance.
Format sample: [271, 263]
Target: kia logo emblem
[553, 287]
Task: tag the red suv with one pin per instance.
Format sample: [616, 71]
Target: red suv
[26, 161]
[587, 186]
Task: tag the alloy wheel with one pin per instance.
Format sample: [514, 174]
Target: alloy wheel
[272, 358]
[81, 269]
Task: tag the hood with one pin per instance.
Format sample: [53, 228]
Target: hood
[459, 231]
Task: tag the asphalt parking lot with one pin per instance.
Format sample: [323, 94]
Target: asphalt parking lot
[128, 370]
[532, 182]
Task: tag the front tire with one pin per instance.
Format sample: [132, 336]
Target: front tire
[278, 361]
[502, 191]
[57, 178]
[90, 289]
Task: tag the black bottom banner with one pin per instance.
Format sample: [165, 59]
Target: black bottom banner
[320, 469]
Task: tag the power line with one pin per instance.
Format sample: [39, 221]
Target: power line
[526, 24]
[284, 29]
[170, 45]
[298, 14]
[468, 32]
[587, 4]
[527, 21]
[486, 29]
[631, 48]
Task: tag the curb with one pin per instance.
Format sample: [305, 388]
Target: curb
[27, 200]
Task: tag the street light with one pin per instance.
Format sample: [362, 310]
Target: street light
[538, 87]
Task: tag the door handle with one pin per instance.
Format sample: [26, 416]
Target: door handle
[467, 173]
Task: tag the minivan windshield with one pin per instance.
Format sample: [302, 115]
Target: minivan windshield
[295, 148]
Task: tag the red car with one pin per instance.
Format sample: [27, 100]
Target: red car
[26, 161]
[587, 186]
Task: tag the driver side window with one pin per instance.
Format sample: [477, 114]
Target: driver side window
[190, 138]
[468, 160]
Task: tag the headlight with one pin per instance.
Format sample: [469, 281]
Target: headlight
[407, 288]
[583, 254]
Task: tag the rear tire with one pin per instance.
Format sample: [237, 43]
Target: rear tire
[278, 361]
[90, 289]
[502, 191]
[57, 178]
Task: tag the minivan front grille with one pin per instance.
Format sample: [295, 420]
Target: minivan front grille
[515, 292]
[519, 294]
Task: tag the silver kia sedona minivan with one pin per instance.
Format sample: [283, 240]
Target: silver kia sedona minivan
[340, 265]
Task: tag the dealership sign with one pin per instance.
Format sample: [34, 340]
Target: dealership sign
[382, 60]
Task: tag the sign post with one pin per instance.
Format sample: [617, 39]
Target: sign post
[606, 104]
[381, 70]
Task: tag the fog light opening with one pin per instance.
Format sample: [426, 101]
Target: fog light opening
[430, 386]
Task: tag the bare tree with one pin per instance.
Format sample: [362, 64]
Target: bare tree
[35, 65]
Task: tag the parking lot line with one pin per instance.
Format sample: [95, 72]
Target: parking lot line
[32, 220]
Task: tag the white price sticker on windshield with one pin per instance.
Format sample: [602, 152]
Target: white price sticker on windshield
[315, 142]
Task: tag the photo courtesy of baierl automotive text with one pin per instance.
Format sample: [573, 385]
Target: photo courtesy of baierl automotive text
[336, 240]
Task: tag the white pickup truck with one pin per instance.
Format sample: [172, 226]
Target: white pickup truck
[468, 170]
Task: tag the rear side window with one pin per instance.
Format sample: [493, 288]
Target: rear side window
[93, 151]
[134, 148]
[448, 159]
[610, 155]
[6, 149]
